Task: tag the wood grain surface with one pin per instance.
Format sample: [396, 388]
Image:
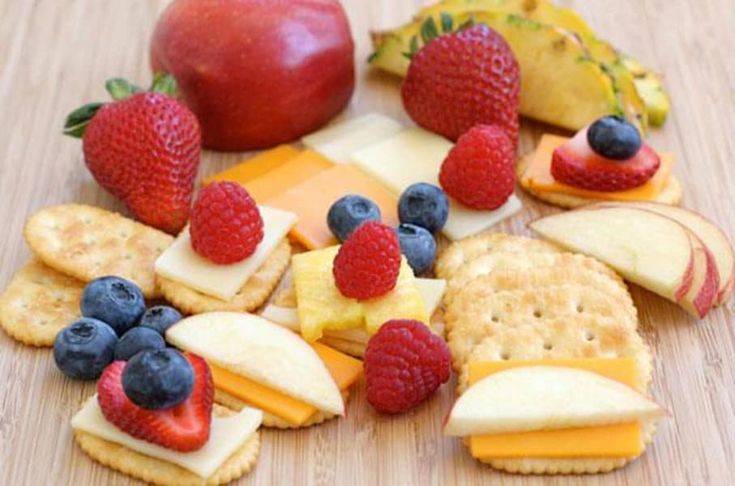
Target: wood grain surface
[56, 54]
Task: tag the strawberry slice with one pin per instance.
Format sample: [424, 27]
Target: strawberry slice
[576, 164]
[184, 427]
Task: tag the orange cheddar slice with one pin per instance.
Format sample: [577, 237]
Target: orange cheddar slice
[537, 177]
[345, 370]
[256, 166]
[311, 200]
[617, 440]
[294, 171]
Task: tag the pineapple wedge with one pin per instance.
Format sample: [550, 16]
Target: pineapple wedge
[322, 307]
[651, 88]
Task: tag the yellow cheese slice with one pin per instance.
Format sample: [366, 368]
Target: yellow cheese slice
[255, 166]
[345, 371]
[416, 155]
[339, 140]
[227, 434]
[311, 201]
[294, 171]
[181, 263]
[537, 176]
[618, 440]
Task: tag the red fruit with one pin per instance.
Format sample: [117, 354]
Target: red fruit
[226, 226]
[576, 164]
[257, 72]
[404, 364]
[463, 79]
[479, 171]
[145, 150]
[184, 427]
[368, 263]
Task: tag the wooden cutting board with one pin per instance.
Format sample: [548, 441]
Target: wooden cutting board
[56, 54]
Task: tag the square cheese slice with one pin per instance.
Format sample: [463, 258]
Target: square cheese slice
[616, 440]
[339, 140]
[227, 434]
[311, 201]
[294, 171]
[182, 264]
[255, 166]
[416, 155]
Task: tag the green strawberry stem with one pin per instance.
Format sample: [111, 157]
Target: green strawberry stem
[119, 89]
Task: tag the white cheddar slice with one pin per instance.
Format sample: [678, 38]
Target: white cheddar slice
[431, 290]
[226, 435]
[338, 141]
[182, 264]
[416, 155]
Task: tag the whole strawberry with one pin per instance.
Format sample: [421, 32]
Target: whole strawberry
[462, 79]
[144, 148]
[479, 171]
[404, 364]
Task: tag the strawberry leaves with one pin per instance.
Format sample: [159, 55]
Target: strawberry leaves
[429, 31]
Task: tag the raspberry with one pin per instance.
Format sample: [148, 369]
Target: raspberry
[226, 226]
[479, 171]
[368, 263]
[404, 364]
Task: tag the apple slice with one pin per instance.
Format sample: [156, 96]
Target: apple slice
[248, 345]
[531, 398]
[702, 294]
[646, 248]
[712, 237]
[546, 398]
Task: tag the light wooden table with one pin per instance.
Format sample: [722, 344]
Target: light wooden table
[56, 54]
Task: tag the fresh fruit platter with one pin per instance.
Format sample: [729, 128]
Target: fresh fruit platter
[324, 242]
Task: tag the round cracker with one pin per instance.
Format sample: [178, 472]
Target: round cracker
[463, 251]
[86, 243]
[671, 193]
[345, 346]
[157, 471]
[252, 295]
[38, 303]
[270, 420]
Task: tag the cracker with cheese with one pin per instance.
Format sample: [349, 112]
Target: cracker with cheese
[231, 452]
[38, 303]
[85, 242]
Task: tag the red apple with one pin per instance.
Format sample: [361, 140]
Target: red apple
[257, 72]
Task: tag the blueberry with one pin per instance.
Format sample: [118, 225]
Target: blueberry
[136, 340]
[349, 212]
[113, 300]
[418, 245]
[424, 205]
[158, 378]
[83, 349]
[614, 137]
[160, 318]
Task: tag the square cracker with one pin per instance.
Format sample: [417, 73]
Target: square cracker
[87, 242]
[157, 471]
[251, 296]
[466, 250]
[38, 303]
[480, 311]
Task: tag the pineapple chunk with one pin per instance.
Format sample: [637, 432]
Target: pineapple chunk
[322, 307]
